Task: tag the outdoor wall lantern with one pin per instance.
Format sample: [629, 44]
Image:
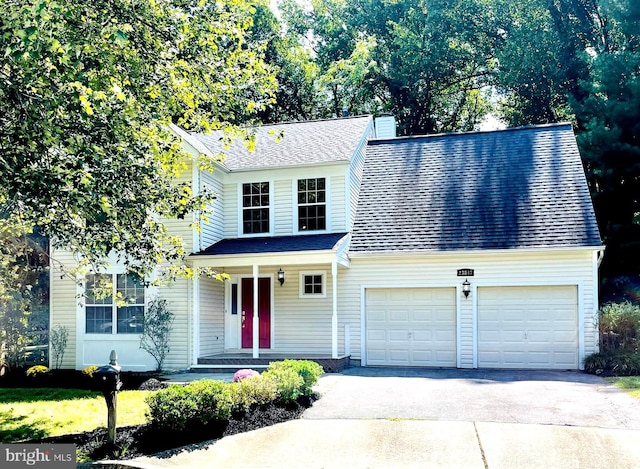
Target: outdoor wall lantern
[466, 288]
[281, 276]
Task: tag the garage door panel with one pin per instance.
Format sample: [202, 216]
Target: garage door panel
[528, 327]
[419, 323]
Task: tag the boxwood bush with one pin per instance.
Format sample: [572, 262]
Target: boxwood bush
[206, 401]
[308, 370]
[199, 403]
[254, 391]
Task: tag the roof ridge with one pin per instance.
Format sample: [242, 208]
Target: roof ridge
[472, 132]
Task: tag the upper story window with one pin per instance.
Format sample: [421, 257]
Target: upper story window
[312, 204]
[114, 298]
[255, 207]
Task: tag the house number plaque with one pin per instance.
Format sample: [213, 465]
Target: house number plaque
[465, 272]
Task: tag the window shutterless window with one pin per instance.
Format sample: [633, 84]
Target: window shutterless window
[255, 207]
[312, 204]
[312, 284]
[114, 296]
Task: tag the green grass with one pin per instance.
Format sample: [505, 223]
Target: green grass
[631, 384]
[36, 413]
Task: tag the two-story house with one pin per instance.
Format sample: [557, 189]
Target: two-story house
[341, 241]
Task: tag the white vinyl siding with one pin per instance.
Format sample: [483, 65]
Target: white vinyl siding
[183, 228]
[411, 326]
[283, 224]
[211, 316]
[64, 302]
[213, 231]
[491, 269]
[230, 210]
[336, 206]
[179, 301]
[528, 327]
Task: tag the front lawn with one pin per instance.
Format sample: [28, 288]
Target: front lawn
[42, 412]
[631, 384]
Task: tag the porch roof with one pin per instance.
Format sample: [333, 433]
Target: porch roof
[294, 249]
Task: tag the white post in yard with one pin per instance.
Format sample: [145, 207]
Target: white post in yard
[334, 317]
[256, 321]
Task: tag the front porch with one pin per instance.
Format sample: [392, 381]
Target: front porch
[233, 361]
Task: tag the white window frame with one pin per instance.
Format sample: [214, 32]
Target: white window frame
[306, 273]
[114, 307]
[296, 205]
[241, 209]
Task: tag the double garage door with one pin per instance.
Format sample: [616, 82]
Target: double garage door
[517, 327]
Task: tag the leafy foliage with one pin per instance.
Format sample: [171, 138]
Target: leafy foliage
[425, 61]
[36, 371]
[308, 370]
[619, 327]
[288, 383]
[86, 149]
[199, 403]
[253, 391]
[613, 363]
[156, 330]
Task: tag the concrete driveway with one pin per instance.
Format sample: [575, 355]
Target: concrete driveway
[532, 397]
[416, 418]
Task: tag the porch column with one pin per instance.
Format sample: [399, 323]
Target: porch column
[334, 317]
[195, 324]
[256, 322]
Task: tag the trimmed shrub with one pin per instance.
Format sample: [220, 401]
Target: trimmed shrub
[613, 363]
[172, 408]
[619, 327]
[253, 391]
[289, 384]
[199, 403]
[213, 400]
[36, 371]
[308, 370]
[242, 374]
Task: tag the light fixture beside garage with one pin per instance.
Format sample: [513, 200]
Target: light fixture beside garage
[466, 288]
[281, 276]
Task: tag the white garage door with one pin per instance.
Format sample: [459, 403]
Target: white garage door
[411, 326]
[528, 327]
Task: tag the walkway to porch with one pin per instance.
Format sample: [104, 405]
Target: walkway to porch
[238, 360]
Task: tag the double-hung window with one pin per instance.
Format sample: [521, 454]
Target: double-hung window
[255, 207]
[312, 204]
[114, 299]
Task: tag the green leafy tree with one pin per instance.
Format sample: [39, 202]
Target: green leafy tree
[426, 61]
[88, 91]
[579, 60]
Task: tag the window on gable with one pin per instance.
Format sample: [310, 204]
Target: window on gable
[312, 204]
[110, 297]
[312, 284]
[255, 207]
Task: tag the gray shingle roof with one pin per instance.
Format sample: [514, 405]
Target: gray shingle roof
[260, 245]
[515, 188]
[302, 143]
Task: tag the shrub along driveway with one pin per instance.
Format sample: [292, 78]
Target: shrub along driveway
[533, 397]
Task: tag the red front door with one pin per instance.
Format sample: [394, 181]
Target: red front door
[264, 312]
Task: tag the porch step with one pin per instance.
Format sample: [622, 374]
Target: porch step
[233, 363]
